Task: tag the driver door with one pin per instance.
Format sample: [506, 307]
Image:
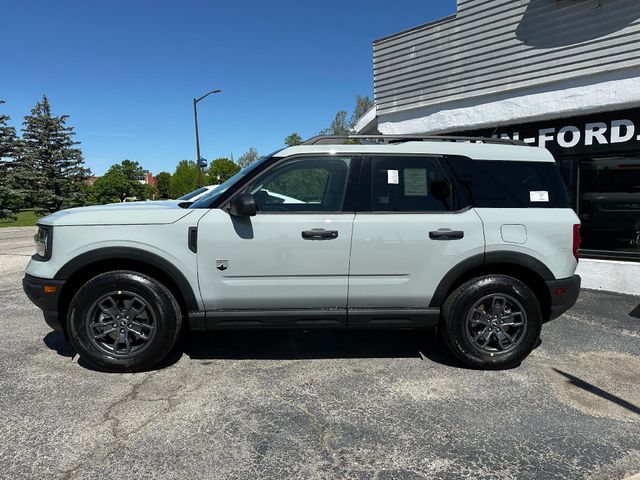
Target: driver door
[289, 263]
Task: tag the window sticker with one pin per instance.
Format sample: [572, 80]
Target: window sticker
[539, 196]
[393, 177]
[415, 182]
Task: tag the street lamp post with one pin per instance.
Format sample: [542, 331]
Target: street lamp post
[195, 117]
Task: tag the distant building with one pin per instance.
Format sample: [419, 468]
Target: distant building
[560, 74]
[91, 181]
[146, 178]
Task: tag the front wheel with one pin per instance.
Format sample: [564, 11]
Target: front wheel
[491, 322]
[123, 321]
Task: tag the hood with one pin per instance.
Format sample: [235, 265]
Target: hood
[133, 213]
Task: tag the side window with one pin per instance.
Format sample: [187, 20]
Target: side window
[313, 184]
[408, 184]
[510, 184]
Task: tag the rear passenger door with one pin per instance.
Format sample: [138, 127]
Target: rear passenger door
[409, 231]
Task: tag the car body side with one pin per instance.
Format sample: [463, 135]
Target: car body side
[533, 244]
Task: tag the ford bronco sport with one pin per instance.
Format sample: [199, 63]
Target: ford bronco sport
[472, 236]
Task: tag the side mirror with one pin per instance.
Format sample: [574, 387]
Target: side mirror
[243, 205]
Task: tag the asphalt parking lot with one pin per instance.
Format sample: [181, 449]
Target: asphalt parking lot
[352, 405]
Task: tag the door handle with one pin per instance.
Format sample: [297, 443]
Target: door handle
[446, 235]
[319, 234]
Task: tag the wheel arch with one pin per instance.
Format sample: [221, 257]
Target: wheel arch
[525, 268]
[79, 270]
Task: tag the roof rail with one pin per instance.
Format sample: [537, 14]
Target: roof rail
[388, 139]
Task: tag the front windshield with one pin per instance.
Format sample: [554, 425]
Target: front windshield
[190, 195]
[213, 195]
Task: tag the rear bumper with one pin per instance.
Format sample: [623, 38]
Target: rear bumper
[563, 294]
[47, 302]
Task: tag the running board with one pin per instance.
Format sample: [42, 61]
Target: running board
[315, 318]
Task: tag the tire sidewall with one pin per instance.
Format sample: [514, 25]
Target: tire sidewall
[160, 300]
[464, 300]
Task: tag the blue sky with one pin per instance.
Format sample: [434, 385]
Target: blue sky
[127, 71]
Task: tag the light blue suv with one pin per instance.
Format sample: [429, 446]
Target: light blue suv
[472, 236]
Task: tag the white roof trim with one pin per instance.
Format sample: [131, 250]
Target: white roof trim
[368, 123]
[604, 92]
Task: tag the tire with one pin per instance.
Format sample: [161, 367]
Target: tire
[491, 322]
[123, 321]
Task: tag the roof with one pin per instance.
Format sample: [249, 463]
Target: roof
[474, 150]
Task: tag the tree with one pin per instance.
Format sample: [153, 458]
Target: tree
[120, 182]
[221, 170]
[183, 179]
[163, 180]
[132, 170]
[113, 186]
[293, 140]
[149, 192]
[248, 157]
[52, 165]
[363, 105]
[338, 126]
[10, 197]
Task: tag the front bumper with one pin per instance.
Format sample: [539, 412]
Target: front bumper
[563, 294]
[47, 302]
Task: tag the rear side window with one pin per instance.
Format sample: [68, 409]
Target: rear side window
[510, 184]
[408, 184]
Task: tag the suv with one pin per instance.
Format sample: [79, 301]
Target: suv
[474, 236]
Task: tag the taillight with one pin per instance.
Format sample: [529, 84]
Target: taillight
[577, 240]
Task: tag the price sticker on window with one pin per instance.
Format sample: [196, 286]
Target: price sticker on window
[539, 196]
[392, 177]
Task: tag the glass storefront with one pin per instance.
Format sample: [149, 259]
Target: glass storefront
[605, 192]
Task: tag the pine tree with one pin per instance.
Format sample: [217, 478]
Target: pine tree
[50, 160]
[10, 198]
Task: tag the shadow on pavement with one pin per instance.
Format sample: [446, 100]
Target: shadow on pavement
[578, 382]
[293, 345]
[55, 341]
[314, 344]
[635, 313]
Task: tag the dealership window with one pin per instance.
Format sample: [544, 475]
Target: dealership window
[605, 192]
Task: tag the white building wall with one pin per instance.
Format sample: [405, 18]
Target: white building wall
[495, 46]
[610, 275]
[615, 90]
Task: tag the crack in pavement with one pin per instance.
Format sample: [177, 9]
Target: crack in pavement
[321, 430]
[117, 430]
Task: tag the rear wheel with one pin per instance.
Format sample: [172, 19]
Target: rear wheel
[491, 322]
[123, 321]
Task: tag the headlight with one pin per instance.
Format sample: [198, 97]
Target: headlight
[43, 242]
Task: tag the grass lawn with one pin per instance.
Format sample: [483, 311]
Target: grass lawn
[26, 218]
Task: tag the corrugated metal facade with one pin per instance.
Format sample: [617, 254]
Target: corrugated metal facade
[494, 46]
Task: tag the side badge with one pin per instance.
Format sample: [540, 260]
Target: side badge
[222, 265]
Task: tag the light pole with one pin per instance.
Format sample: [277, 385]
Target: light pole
[195, 117]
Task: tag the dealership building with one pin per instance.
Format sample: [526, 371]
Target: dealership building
[561, 74]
